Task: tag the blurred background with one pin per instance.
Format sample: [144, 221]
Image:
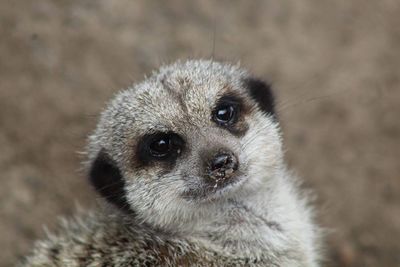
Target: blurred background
[335, 67]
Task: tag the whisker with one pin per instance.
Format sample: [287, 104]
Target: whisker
[255, 135]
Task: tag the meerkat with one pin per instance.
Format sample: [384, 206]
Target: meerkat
[191, 164]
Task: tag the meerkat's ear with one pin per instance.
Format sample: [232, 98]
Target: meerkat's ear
[108, 181]
[261, 92]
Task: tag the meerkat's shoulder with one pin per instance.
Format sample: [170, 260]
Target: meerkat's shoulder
[112, 239]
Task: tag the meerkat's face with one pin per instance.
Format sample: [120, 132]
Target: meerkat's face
[192, 135]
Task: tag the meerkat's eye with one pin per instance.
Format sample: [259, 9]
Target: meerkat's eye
[227, 111]
[225, 114]
[161, 146]
[164, 145]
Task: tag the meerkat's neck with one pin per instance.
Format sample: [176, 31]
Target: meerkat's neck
[248, 225]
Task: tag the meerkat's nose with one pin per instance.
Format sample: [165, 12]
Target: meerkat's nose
[222, 166]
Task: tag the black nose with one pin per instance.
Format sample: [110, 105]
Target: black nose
[222, 165]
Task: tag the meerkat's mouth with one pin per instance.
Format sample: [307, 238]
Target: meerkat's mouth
[215, 189]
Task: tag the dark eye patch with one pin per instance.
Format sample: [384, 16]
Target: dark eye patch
[227, 110]
[228, 113]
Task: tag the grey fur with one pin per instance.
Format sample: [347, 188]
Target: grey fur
[260, 220]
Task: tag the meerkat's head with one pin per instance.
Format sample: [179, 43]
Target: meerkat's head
[184, 141]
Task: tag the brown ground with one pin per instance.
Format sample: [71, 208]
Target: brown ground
[335, 66]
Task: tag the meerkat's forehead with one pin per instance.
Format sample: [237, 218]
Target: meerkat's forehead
[191, 81]
[182, 92]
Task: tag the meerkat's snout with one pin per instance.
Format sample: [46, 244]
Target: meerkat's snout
[222, 167]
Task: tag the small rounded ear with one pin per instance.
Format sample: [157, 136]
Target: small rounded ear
[106, 178]
[261, 92]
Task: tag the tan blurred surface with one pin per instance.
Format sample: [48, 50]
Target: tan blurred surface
[335, 66]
